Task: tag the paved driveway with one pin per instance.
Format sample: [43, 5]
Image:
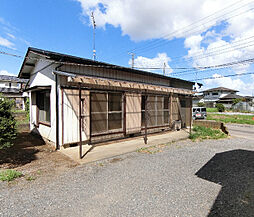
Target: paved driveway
[212, 178]
[241, 130]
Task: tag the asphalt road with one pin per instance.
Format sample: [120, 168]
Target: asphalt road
[241, 131]
[210, 178]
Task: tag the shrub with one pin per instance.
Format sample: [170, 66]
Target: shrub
[201, 104]
[9, 175]
[235, 101]
[27, 106]
[220, 107]
[8, 130]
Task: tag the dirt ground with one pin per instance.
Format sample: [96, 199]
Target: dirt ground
[34, 158]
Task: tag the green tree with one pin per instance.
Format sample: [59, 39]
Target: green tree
[235, 101]
[201, 104]
[8, 131]
[220, 107]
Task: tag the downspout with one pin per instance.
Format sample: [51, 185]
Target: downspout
[57, 108]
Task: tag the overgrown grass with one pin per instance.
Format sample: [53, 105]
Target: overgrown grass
[211, 109]
[9, 175]
[238, 119]
[200, 133]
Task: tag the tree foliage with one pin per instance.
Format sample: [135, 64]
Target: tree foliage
[201, 104]
[235, 101]
[8, 130]
[220, 107]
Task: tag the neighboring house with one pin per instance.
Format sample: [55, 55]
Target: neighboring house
[79, 101]
[12, 87]
[246, 105]
[197, 98]
[219, 95]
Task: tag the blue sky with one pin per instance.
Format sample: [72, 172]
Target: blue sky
[176, 33]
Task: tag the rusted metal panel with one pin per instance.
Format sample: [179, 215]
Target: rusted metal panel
[125, 85]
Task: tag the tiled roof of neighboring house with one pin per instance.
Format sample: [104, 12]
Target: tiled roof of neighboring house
[220, 89]
[12, 79]
[232, 96]
[9, 90]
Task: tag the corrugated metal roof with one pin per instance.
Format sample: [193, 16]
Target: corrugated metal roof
[12, 79]
[64, 58]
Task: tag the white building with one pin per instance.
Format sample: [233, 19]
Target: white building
[12, 87]
[214, 95]
[79, 101]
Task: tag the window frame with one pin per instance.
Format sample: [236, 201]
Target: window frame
[156, 110]
[43, 122]
[108, 113]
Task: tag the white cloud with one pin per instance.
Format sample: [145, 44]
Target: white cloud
[152, 19]
[156, 62]
[6, 43]
[11, 35]
[237, 84]
[4, 72]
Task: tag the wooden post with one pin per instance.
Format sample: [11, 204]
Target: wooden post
[124, 114]
[171, 110]
[145, 138]
[80, 124]
[190, 113]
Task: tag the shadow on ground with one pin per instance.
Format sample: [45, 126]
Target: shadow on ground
[22, 152]
[234, 171]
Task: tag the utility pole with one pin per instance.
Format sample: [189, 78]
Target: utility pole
[132, 59]
[164, 68]
[94, 27]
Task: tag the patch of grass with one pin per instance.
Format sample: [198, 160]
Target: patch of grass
[30, 178]
[9, 175]
[154, 149]
[200, 133]
[211, 109]
[238, 119]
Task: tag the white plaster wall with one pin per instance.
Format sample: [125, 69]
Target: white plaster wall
[43, 76]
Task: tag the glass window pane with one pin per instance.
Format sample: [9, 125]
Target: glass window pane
[159, 103]
[98, 102]
[166, 117]
[99, 123]
[160, 118]
[166, 102]
[151, 102]
[115, 102]
[151, 119]
[143, 102]
[114, 121]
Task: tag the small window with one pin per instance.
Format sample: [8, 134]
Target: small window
[215, 94]
[43, 105]
[203, 109]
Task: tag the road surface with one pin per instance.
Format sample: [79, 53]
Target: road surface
[241, 131]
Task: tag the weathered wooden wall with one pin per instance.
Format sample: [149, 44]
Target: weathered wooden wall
[133, 113]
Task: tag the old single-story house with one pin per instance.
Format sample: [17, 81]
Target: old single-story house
[76, 101]
[12, 87]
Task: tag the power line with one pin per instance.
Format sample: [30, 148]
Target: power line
[225, 76]
[194, 23]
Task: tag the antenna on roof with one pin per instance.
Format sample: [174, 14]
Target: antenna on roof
[132, 59]
[94, 27]
[164, 68]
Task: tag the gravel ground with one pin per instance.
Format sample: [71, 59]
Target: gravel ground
[210, 178]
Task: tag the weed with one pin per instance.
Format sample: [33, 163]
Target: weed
[200, 133]
[30, 178]
[9, 175]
